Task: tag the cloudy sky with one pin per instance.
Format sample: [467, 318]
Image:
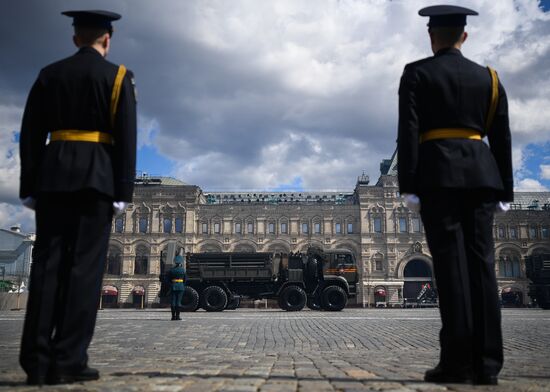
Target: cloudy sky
[272, 95]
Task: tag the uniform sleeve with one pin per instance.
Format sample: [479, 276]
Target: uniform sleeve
[125, 134]
[407, 138]
[500, 141]
[32, 141]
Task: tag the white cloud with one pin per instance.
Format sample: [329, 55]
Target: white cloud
[11, 215]
[147, 128]
[325, 70]
[225, 86]
[530, 185]
[10, 117]
[296, 156]
[545, 172]
[529, 122]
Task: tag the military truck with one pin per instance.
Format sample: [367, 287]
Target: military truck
[538, 271]
[316, 279]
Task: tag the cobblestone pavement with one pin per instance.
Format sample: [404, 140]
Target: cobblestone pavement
[272, 350]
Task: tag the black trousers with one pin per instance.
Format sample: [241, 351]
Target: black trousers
[458, 226]
[72, 235]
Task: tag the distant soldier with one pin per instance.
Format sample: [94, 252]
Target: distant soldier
[177, 278]
[86, 107]
[447, 105]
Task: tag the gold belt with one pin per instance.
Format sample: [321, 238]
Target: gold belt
[75, 135]
[450, 133]
[177, 280]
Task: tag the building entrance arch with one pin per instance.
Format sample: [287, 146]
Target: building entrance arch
[511, 297]
[418, 281]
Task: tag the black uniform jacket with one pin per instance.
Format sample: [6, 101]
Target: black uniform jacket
[75, 94]
[450, 91]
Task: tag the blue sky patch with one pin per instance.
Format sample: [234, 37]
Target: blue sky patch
[536, 155]
[545, 5]
[151, 162]
[296, 186]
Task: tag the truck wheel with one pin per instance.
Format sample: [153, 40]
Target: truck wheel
[313, 303]
[233, 304]
[213, 299]
[334, 298]
[190, 300]
[293, 298]
[280, 303]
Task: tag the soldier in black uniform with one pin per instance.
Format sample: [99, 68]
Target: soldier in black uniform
[86, 106]
[177, 277]
[447, 105]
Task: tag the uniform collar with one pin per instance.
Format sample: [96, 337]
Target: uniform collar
[88, 49]
[448, 51]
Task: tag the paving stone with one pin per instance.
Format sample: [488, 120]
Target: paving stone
[267, 351]
[360, 374]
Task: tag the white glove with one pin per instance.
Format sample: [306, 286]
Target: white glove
[119, 207]
[502, 206]
[412, 201]
[29, 202]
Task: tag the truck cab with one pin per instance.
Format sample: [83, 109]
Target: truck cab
[341, 263]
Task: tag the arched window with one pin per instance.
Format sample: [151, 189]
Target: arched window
[167, 225]
[377, 221]
[501, 233]
[141, 263]
[377, 224]
[238, 227]
[378, 262]
[509, 264]
[179, 224]
[415, 222]
[402, 223]
[119, 225]
[113, 266]
[284, 226]
[317, 227]
[143, 224]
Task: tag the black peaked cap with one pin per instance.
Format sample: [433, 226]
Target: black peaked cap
[93, 18]
[446, 15]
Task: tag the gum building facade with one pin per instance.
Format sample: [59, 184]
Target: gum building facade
[371, 221]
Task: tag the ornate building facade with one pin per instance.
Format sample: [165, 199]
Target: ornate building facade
[372, 221]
